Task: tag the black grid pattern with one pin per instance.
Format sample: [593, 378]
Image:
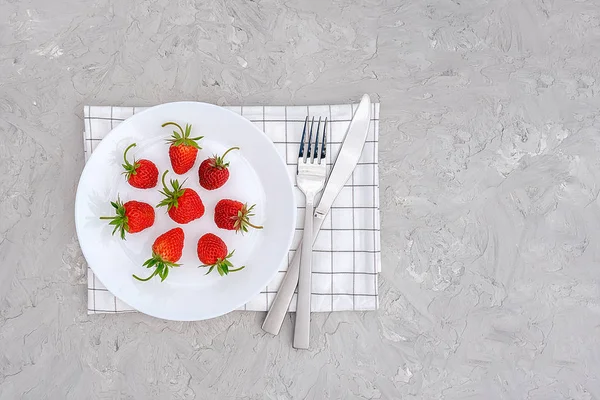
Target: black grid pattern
[346, 256]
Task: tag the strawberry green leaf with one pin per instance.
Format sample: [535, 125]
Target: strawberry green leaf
[183, 136]
[224, 267]
[171, 194]
[119, 220]
[161, 267]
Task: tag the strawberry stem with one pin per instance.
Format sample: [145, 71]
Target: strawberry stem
[130, 169]
[125, 154]
[254, 226]
[162, 179]
[176, 124]
[148, 278]
[233, 148]
[219, 161]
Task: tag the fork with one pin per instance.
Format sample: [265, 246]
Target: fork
[310, 178]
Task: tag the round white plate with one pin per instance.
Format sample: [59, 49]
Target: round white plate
[258, 176]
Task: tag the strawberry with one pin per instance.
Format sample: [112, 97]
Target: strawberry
[214, 171]
[166, 251]
[183, 204]
[132, 217]
[234, 216]
[183, 149]
[142, 174]
[212, 252]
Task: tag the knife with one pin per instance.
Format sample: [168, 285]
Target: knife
[342, 170]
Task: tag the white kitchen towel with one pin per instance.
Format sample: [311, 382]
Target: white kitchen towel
[347, 250]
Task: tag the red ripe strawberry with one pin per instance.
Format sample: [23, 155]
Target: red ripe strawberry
[214, 171]
[166, 251]
[142, 174]
[234, 216]
[132, 217]
[183, 204]
[183, 149]
[212, 252]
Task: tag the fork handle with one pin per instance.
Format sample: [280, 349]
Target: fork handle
[302, 327]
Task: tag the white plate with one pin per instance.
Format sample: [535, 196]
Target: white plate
[258, 176]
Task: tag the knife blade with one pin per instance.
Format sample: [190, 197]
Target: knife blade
[343, 167]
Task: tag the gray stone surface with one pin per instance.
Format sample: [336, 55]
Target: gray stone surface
[490, 180]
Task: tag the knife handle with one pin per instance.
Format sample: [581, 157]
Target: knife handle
[283, 298]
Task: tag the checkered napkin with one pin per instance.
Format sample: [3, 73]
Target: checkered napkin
[346, 255]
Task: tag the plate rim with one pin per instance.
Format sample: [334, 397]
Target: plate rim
[127, 121]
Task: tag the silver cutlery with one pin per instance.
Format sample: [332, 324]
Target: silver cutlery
[342, 169]
[310, 178]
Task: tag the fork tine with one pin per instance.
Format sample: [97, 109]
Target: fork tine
[324, 144]
[316, 152]
[301, 153]
[309, 156]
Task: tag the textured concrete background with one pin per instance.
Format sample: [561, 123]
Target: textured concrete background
[490, 169]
